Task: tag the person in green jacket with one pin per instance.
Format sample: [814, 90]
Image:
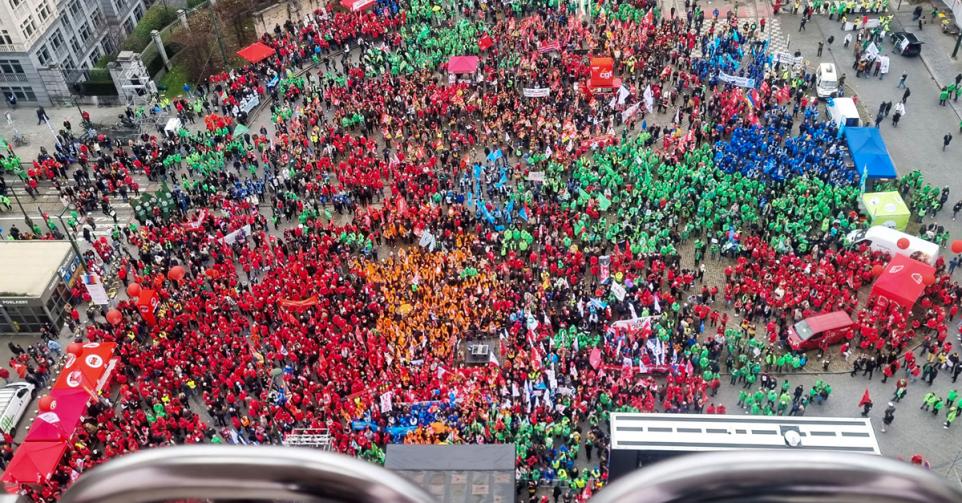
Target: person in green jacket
[927, 400]
[950, 418]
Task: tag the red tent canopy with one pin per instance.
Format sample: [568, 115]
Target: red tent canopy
[356, 5]
[33, 463]
[463, 64]
[60, 423]
[256, 52]
[902, 281]
[48, 427]
[86, 369]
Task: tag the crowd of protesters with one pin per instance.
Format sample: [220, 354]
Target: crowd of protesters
[341, 259]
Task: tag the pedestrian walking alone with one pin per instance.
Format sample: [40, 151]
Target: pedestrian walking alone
[865, 403]
[946, 140]
[906, 94]
[950, 417]
[902, 80]
[888, 417]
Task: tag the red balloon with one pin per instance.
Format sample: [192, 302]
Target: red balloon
[133, 290]
[877, 270]
[114, 317]
[957, 246]
[75, 348]
[47, 403]
[176, 273]
[903, 243]
[928, 279]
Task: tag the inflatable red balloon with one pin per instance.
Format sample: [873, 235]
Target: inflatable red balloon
[928, 279]
[957, 246]
[903, 243]
[75, 348]
[176, 273]
[877, 270]
[133, 290]
[114, 316]
[47, 403]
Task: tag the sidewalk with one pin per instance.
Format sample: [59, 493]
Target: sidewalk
[24, 121]
[937, 51]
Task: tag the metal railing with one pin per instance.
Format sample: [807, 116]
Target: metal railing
[248, 473]
[295, 474]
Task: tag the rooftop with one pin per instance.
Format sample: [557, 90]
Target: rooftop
[26, 267]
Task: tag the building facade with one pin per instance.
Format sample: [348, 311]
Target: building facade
[45, 45]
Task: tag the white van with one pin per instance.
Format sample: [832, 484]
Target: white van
[842, 111]
[826, 80]
[14, 400]
[885, 239]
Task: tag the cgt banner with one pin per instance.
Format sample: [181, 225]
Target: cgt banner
[537, 92]
[602, 72]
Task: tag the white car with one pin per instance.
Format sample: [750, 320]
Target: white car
[14, 400]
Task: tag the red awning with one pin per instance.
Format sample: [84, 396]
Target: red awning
[902, 281]
[256, 52]
[62, 421]
[463, 64]
[33, 463]
[356, 5]
[85, 370]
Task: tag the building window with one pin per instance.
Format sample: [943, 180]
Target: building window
[76, 10]
[95, 54]
[43, 56]
[84, 32]
[74, 45]
[97, 18]
[138, 12]
[56, 40]
[23, 93]
[9, 66]
[5, 38]
[28, 26]
[43, 12]
[120, 4]
[128, 25]
[15, 3]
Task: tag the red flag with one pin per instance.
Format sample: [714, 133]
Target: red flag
[865, 398]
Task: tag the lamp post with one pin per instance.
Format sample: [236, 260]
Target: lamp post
[26, 218]
[73, 242]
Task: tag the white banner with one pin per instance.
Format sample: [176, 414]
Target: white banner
[537, 92]
[735, 80]
[536, 176]
[386, 403]
[248, 103]
[95, 287]
[630, 111]
[232, 237]
[619, 291]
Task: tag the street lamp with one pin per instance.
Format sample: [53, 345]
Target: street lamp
[73, 242]
[26, 218]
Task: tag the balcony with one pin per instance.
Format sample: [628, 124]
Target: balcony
[13, 77]
[13, 48]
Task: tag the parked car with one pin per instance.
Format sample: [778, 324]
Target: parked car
[906, 44]
[14, 400]
[828, 329]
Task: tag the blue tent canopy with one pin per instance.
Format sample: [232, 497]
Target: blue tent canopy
[868, 149]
